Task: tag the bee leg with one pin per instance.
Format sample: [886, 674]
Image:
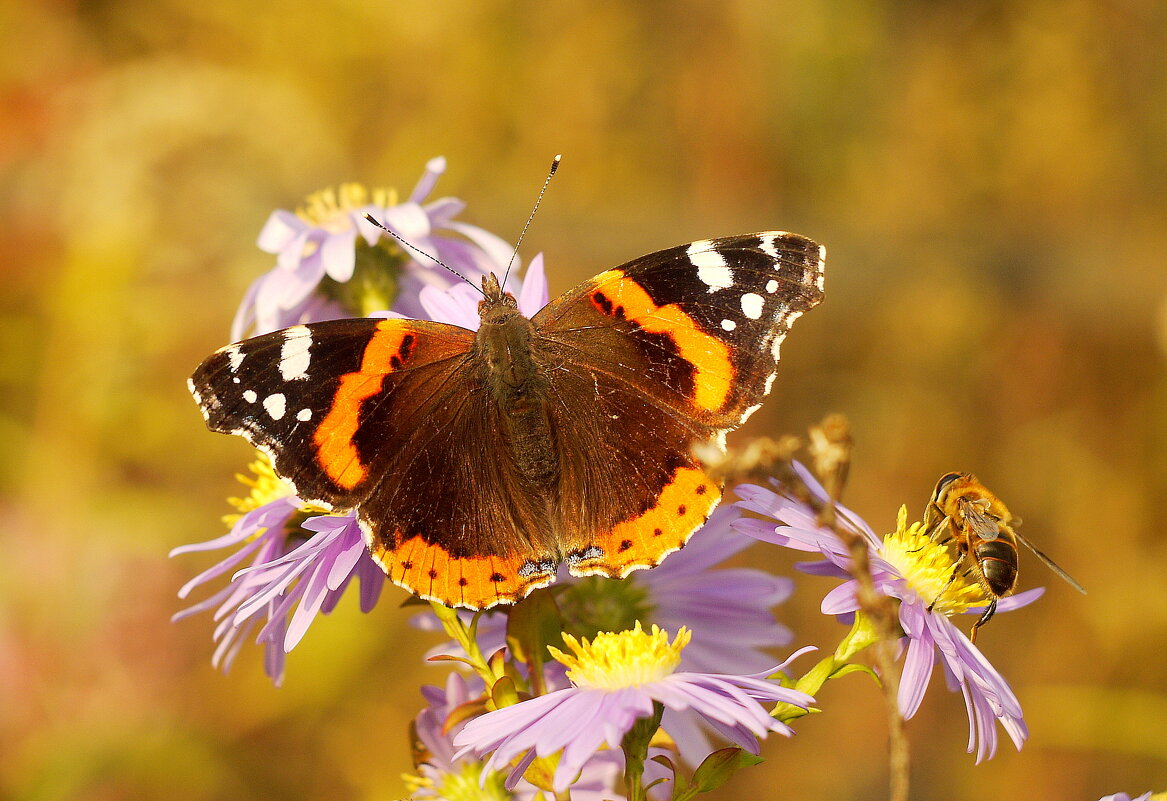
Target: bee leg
[944, 589]
[942, 527]
[984, 619]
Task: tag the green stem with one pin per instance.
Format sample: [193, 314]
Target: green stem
[863, 633]
[635, 747]
[464, 636]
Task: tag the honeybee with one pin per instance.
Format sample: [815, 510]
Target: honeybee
[962, 510]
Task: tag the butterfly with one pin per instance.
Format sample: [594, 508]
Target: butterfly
[478, 461]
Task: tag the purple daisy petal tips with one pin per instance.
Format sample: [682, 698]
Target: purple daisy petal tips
[442, 773]
[285, 580]
[617, 679]
[908, 566]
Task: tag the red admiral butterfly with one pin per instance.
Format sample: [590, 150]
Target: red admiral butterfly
[478, 461]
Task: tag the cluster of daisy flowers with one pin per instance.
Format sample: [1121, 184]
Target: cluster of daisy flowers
[670, 667]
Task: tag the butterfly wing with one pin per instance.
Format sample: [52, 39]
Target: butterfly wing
[387, 417]
[648, 359]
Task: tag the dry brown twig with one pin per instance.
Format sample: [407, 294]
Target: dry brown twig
[830, 452]
[829, 446]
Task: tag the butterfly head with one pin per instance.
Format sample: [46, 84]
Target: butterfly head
[495, 305]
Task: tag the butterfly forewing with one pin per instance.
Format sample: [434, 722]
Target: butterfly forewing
[296, 394]
[707, 320]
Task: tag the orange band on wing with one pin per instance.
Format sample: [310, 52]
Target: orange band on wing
[709, 356]
[643, 541]
[429, 571]
[386, 351]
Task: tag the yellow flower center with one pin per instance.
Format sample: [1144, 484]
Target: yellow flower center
[625, 659]
[330, 208]
[266, 487]
[464, 785]
[929, 567]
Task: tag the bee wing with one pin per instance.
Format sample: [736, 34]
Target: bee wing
[985, 526]
[1051, 564]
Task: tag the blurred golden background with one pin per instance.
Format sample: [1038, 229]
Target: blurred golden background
[988, 179]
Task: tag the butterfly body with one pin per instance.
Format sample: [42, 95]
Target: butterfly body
[478, 461]
[514, 371]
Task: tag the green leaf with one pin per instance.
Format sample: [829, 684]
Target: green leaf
[504, 693]
[720, 766]
[853, 668]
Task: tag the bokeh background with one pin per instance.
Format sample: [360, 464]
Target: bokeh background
[988, 178]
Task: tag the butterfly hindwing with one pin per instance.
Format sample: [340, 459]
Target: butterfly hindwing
[630, 492]
[450, 516]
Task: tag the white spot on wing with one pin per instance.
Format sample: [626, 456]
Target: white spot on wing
[768, 246]
[304, 415]
[275, 405]
[250, 396]
[294, 353]
[234, 356]
[711, 266]
[752, 305]
[772, 286]
[769, 383]
[728, 325]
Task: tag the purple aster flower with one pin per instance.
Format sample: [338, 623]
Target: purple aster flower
[617, 679]
[321, 240]
[911, 567]
[728, 612]
[442, 774]
[292, 573]
[1125, 797]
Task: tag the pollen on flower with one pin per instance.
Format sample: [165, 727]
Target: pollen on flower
[622, 659]
[331, 208]
[928, 567]
[465, 784]
[266, 487]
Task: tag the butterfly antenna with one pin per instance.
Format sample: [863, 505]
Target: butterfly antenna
[550, 174]
[416, 249]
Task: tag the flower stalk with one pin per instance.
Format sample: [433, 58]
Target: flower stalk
[500, 687]
[635, 748]
[830, 449]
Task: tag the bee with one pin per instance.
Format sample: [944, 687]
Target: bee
[964, 511]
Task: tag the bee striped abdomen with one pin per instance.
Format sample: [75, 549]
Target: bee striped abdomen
[998, 563]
